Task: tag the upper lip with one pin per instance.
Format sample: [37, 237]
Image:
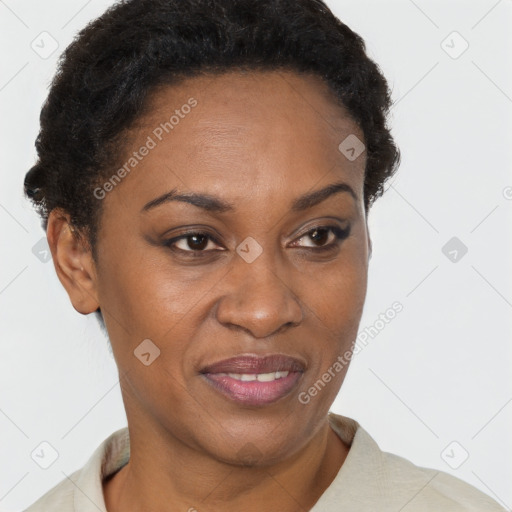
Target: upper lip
[256, 364]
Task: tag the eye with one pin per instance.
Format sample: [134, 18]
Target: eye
[197, 243]
[325, 237]
[194, 243]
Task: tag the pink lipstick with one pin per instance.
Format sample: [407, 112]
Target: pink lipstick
[255, 380]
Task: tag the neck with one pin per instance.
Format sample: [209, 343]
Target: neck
[193, 481]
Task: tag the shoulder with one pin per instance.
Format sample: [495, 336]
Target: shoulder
[372, 479]
[82, 490]
[58, 499]
[427, 489]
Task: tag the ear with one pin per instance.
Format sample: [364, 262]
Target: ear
[73, 262]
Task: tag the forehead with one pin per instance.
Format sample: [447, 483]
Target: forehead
[233, 100]
[240, 134]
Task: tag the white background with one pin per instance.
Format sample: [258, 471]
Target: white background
[439, 372]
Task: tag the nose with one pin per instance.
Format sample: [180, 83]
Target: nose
[258, 299]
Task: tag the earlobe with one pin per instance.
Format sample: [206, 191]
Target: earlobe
[73, 262]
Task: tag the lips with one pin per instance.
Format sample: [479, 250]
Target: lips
[255, 380]
[256, 364]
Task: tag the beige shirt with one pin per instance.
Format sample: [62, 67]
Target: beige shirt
[369, 480]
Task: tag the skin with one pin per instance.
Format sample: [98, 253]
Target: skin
[258, 140]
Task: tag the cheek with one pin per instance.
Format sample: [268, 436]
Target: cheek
[338, 306]
[161, 393]
[336, 294]
[157, 301]
[147, 295]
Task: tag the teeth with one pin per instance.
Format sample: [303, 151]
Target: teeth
[260, 377]
[267, 377]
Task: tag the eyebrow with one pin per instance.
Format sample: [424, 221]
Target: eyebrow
[215, 205]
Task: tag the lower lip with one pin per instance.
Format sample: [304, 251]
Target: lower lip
[253, 392]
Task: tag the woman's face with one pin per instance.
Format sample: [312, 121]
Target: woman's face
[256, 279]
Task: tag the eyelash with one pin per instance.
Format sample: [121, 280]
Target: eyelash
[339, 234]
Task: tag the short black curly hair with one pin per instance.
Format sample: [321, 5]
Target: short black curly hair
[107, 73]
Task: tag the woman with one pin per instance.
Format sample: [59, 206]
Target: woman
[204, 177]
